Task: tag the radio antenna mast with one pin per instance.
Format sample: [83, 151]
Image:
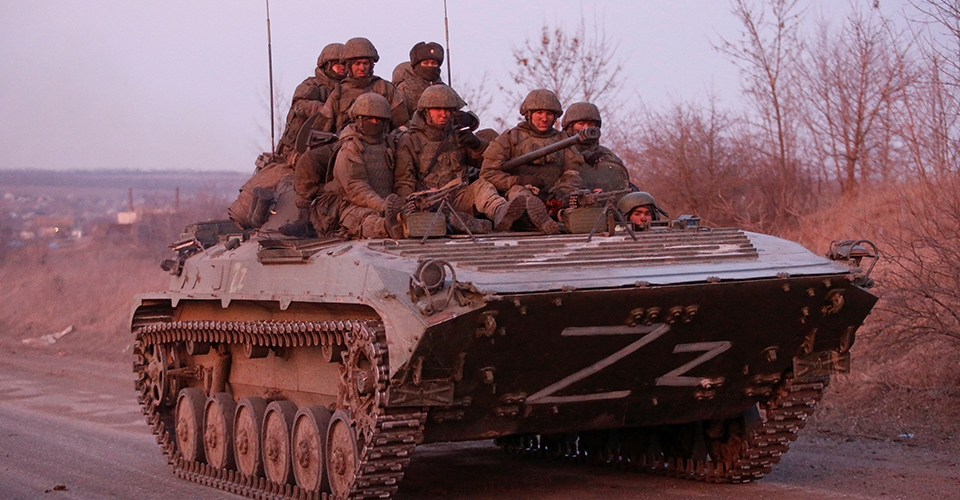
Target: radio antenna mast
[273, 137]
[446, 29]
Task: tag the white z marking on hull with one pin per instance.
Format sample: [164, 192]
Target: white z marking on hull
[675, 378]
[545, 395]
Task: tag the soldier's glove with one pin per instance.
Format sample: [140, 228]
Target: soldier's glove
[468, 139]
[592, 156]
[530, 180]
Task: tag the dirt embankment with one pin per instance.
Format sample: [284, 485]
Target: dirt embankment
[88, 286]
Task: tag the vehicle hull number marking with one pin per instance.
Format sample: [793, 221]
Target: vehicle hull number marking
[650, 333]
[710, 350]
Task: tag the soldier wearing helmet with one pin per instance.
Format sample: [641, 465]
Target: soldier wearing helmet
[364, 171]
[639, 208]
[599, 167]
[423, 70]
[438, 148]
[548, 178]
[359, 56]
[309, 97]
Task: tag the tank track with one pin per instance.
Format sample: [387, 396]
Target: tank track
[396, 431]
[781, 419]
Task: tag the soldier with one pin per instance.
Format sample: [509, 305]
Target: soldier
[359, 57]
[599, 167]
[309, 97]
[423, 70]
[640, 209]
[364, 172]
[435, 151]
[550, 177]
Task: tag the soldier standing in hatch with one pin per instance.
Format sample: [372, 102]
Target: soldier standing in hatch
[309, 97]
[599, 167]
[550, 177]
[359, 57]
[364, 172]
[432, 154]
[423, 70]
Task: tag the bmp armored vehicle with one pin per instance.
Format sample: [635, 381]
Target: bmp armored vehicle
[312, 368]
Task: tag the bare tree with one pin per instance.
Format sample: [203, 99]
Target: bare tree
[768, 55]
[689, 156]
[851, 80]
[577, 66]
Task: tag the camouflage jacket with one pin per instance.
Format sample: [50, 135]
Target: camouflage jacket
[364, 170]
[308, 99]
[416, 150]
[607, 172]
[334, 113]
[410, 85]
[556, 172]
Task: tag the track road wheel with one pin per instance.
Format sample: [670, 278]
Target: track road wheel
[309, 440]
[189, 426]
[218, 430]
[275, 439]
[247, 423]
[343, 458]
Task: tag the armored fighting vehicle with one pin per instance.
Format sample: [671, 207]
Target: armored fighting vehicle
[312, 368]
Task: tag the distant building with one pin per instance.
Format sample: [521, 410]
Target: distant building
[52, 227]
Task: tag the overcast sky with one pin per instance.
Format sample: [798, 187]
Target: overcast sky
[182, 84]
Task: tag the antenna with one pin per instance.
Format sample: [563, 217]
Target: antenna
[273, 138]
[446, 29]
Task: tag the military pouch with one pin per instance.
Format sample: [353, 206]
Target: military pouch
[325, 212]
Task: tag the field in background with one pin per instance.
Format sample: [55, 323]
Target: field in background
[898, 391]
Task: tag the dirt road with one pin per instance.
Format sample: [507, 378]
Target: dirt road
[73, 422]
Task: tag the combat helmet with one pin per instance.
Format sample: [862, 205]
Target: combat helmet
[423, 51]
[370, 104]
[332, 52]
[582, 111]
[636, 199]
[439, 96]
[359, 47]
[541, 99]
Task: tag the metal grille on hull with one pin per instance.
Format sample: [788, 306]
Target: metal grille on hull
[513, 253]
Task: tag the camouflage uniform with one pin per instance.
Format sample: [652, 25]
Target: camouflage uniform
[555, 174]
[599, 167]
[411, 79]
[417, 169]
[335, 114]
[309, 97]
[364, 172]
[335, 110]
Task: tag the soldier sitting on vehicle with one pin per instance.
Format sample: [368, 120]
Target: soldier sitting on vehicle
[363, 172]
[359, 56]
[423, 70]
[599, 168]
[310, 96]
[547, 178]
[640, 209]
[437, 150]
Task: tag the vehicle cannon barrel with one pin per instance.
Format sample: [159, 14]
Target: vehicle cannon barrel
[585, 136]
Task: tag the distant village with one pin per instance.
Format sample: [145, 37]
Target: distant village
[57, 209]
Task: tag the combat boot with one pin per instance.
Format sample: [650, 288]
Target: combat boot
[260, 208]
[540, 216]
[468, 224]
[508, 213]
[391, 217]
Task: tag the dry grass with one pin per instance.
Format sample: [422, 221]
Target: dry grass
[89, 286]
